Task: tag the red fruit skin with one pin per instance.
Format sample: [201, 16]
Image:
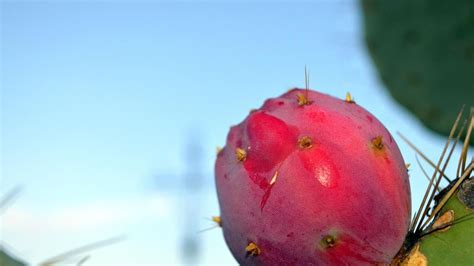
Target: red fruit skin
[342, 186]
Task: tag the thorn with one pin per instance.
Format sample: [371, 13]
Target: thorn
[207, 229]
[424, 172]
[422, 155]
[349, 98]
[217, 220]
[451, 191]
[430, 193]
[412, 221]
[274, 178]
[252, 249]
[463, 157]
[303, 99]
[83, 260]
[305, 142]
[241, 154]
[9, 197]
[377, 143]
[78, 251]
[306, 79]
[218, 149]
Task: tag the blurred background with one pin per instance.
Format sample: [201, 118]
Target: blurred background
[111, 113]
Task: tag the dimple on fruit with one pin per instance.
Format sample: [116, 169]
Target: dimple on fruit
[315, 180]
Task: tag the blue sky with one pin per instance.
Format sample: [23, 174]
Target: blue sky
[101, 99]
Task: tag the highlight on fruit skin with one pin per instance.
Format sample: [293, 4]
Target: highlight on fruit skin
[313, 188]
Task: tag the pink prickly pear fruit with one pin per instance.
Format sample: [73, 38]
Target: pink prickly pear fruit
[309, 179]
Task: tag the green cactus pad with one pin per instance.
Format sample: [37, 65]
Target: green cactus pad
[424, 54]
[452, 245]
[7, 260]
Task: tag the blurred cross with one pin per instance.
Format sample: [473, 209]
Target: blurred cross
[190, 186]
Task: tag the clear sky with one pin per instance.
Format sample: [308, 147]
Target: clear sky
[100, 102]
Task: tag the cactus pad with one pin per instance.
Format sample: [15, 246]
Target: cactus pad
[424, 54]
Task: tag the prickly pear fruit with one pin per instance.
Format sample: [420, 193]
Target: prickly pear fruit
[314, 180]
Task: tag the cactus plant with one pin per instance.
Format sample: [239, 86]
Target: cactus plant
[424, 53]
[446, 237]
[447, 241]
